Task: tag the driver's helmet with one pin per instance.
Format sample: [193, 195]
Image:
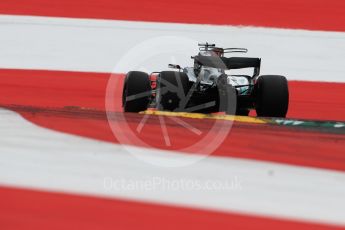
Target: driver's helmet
[218, 51]
[215, 52]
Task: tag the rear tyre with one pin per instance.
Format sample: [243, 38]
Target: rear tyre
[272, 96]
[136, 92]
[172, 90]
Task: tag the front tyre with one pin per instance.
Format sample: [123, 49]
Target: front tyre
[242, 112]
[136, 92]
[172, 90]
[271, 96]
[227, 96]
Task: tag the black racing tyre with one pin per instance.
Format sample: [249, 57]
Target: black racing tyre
[272, 96]
[242, 112]
[136, 92]
[172, 89]
[227, 96]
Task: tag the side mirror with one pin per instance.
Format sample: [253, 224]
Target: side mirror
[173, 66]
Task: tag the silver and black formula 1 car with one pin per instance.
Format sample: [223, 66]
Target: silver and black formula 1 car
[208, 87]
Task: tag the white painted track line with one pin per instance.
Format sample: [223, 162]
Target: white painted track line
[97, 45]
[34, 157]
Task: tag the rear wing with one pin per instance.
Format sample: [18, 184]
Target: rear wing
[230, 63]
